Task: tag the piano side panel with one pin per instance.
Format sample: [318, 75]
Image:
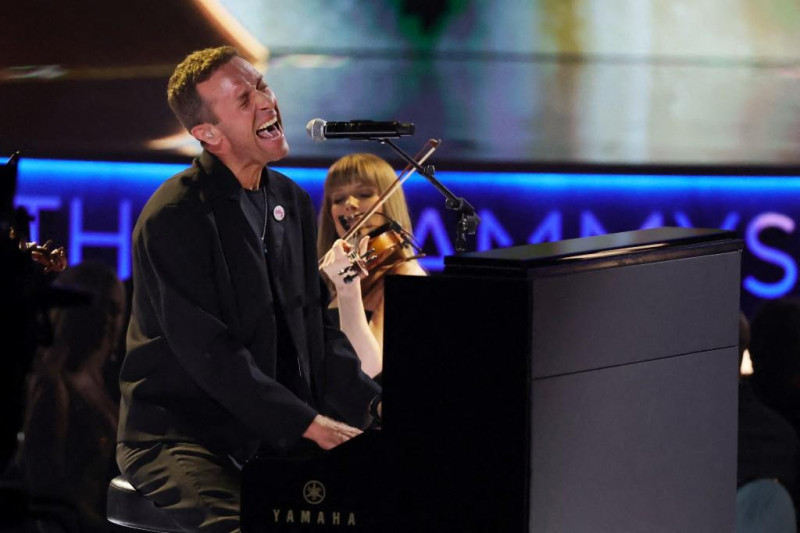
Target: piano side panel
[634, 313]
[642, 447]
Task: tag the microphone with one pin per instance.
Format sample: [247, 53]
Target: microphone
[319, 129]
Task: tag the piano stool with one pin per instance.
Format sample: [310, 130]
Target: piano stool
[128, 508]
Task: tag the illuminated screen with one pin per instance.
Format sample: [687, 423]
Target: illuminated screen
[620, 81]
[91, 207]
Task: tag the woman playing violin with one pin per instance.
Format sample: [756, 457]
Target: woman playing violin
[352, 186]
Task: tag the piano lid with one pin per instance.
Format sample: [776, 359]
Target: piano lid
[629, 246]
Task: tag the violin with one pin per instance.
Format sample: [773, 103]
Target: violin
[54, 260]
[387, 246]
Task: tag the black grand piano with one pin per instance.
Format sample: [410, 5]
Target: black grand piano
[586, 385]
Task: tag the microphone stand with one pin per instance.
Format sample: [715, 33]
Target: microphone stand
[468, 220]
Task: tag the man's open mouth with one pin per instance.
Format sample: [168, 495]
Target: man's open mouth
[270, 129]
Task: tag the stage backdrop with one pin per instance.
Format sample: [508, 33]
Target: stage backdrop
[91, 208]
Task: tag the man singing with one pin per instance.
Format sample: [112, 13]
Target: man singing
[227, 346]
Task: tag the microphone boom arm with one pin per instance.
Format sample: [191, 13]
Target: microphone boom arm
[468, 219]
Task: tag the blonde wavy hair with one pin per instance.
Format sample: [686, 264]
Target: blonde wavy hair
[360, 168]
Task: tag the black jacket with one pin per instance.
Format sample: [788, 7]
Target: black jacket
[201, 353]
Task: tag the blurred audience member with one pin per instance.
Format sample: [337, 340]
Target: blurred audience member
[768, 444]
[67, 455]
[775, 352]
[113, 366]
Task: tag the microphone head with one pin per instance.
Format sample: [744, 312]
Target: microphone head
[316, 129]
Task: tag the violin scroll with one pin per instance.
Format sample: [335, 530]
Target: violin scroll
[53, 260]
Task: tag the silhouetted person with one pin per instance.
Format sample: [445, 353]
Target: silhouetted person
[775, 352]
[67, 455]
[113, 366]
[768, 444]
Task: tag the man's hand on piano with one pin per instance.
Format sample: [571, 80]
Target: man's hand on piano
[329, 433]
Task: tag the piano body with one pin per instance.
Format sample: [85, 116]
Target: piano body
[585, 385]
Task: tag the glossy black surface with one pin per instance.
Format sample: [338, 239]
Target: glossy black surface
[591, 248]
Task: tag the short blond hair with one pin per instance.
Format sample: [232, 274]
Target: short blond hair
[361, 168]
[182, 94]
